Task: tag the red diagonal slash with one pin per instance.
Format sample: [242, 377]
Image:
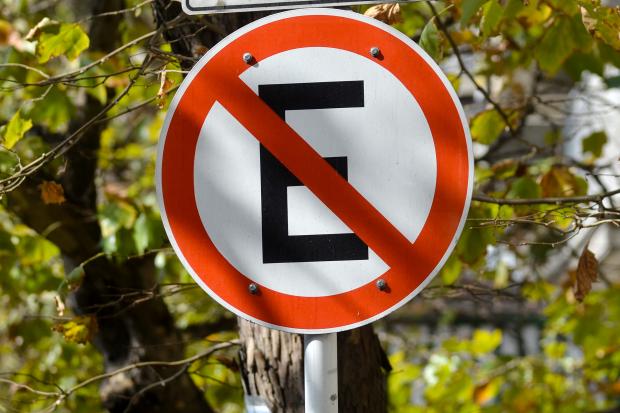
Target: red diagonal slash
[314, 172]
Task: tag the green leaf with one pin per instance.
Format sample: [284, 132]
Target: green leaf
[594, 143]
[505, 168]
[470, 7]
[558, 43]
[121, 244]
[492, 14]
[505, 212]
[75, 277]
[451, 271]
[99, 92]
[117, 215]
[399, 385]
[430, 40]
[54, 111]
[501, 276]
[552, 137]
[512, 8]
[524, 188]
[35, 251]
[580, 62]
[608, 54]
[147, 233]
[473, 244]
[539, 290]
[412, 20]
[483, 173]
[555, 350]
[15, 130]
[487, 126]
[583, 40]
[8, 162]
[61, 39]
[141, 233]
[569, 7]
[603, 23]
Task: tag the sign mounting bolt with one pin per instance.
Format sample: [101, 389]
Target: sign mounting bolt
[375, 51]
[381, 285]
[253, 289]
[248, 58]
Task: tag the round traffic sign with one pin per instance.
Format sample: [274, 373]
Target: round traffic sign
[314, 170]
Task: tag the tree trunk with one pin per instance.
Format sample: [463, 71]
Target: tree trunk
[272, 361]
[272, 369]
[272, 366]
[126, 332]
[362, 372]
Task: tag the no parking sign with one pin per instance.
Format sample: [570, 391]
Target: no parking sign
[314, 171]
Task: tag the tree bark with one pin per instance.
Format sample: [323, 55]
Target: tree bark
[363, 367]
[272, 369]
[126, 332]
[271, 361]
[272, 366]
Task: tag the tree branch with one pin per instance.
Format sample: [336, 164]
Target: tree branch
[466, 71]
[550, 200]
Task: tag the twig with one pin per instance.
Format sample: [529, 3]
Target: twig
[117, 12]
[184, 362]
[161, 382]
[551, 200]
[10, 183]
[466, 71]
[28, 388]
[23, 66]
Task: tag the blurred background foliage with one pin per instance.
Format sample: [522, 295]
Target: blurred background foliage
[525, 316]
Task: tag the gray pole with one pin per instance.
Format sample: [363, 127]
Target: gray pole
[321, 373]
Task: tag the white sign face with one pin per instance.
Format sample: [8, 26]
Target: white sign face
[233, 6]
[314, 171]
[385, 144]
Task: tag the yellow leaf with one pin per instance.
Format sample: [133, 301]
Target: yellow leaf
[560, 182]
[387, 13]
[587, 273]
[6, 31]
[68, 40]
[487, 126]
[602, 22]
[15, 130]
[80, 330]
[486, 392]
[505, 168]
[524, 404]
[52, 193]
[484, 342]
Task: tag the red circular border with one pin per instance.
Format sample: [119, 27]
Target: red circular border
[451, 189]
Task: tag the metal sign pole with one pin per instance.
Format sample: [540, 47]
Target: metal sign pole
[321, 373]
